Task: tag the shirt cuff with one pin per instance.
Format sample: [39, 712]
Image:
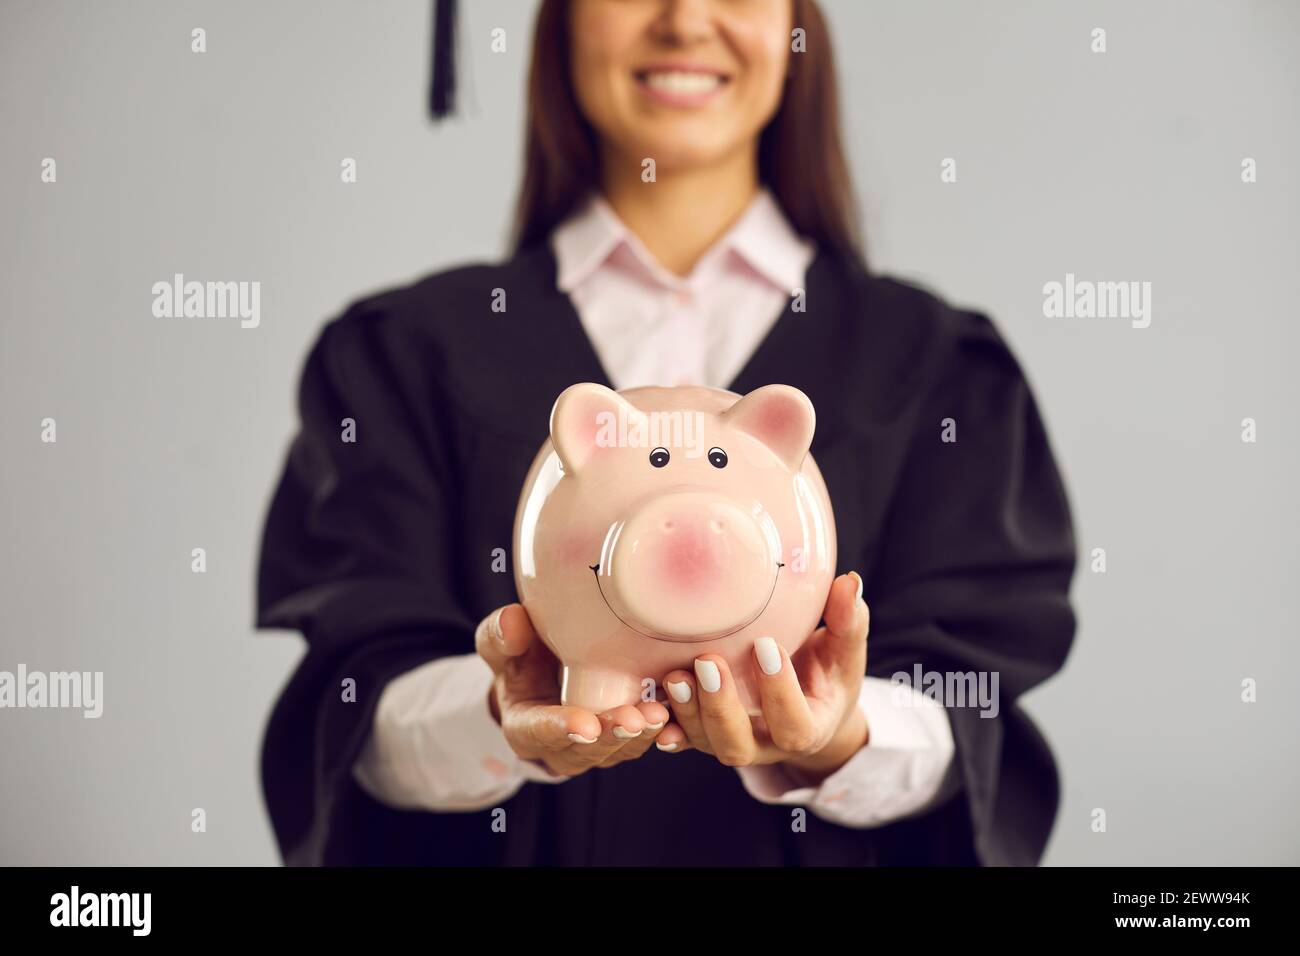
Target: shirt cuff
[906, 766]
[434, 745]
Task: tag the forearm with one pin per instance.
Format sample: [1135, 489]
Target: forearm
[851, 736]
[434, 743]
[901, 766]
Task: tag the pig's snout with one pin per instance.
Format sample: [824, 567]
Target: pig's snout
[690, 566]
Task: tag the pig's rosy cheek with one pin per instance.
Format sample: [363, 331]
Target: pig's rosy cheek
[573, 550]
[798, 551]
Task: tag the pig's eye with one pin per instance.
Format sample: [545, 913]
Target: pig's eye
[717, 458]
[659, 457]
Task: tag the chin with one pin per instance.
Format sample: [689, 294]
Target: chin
[683, 148]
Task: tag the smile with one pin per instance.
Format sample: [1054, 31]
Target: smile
[595, 569]
[681, 86]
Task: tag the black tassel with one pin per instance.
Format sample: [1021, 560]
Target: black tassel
[442, 91]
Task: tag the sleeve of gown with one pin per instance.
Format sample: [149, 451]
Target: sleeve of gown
[358, 554]
[973, 576]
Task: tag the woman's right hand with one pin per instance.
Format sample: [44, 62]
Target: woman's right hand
[525, 700]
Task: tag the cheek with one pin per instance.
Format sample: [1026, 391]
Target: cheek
[602, 38]
[576, 551]
[763, 46]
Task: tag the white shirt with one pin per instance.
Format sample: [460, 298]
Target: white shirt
[434, 744]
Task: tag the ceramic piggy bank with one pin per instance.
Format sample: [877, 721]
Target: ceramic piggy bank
[658, 524]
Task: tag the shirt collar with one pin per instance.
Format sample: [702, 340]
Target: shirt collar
[762, 237]
[585, 240]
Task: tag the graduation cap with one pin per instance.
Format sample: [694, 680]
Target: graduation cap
[442, 87]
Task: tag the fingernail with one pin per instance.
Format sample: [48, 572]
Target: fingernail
[623, 734]
[495, 627]
[857, 577]
[706, 672]
[655, 728]
[579, 739]
[680, 690]
[769, 655]
[667, 748]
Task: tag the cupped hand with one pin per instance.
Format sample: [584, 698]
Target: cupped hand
[525, 700]
[810, 719]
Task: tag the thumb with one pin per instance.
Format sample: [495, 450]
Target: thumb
[847, 622]
[504, 634]
[533, 675]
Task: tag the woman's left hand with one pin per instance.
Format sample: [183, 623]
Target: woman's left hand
[811, 721]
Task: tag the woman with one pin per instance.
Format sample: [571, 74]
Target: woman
[684, 217]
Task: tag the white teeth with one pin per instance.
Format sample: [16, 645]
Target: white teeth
[688, 84]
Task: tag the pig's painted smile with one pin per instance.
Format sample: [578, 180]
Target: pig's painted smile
[595, 570]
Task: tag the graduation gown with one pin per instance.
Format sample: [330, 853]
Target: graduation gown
[379, 551]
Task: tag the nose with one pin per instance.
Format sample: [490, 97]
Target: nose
[691, 550]
[685, 21]
[716, 525]
[690, 566]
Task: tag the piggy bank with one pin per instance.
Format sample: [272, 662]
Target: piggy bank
[659, 524]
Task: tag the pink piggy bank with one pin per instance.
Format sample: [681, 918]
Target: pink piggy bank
[658, 524]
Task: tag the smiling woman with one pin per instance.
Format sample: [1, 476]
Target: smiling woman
[748, 689]
[612, 85]
[688, 108]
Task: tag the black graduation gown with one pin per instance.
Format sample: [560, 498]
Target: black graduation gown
[380, 552]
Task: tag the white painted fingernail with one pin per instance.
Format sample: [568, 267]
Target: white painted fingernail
[706, 672]
[680, 691]
[857, 577]
[667, 748]
[769, 655]
[622, 734]
[579, 739]
[654, 728]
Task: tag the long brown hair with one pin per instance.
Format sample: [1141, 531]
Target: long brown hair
[800, 153]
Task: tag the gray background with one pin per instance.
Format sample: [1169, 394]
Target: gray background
[1122, 166]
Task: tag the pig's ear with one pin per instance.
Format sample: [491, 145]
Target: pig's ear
[587, 419]
[780, 416]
